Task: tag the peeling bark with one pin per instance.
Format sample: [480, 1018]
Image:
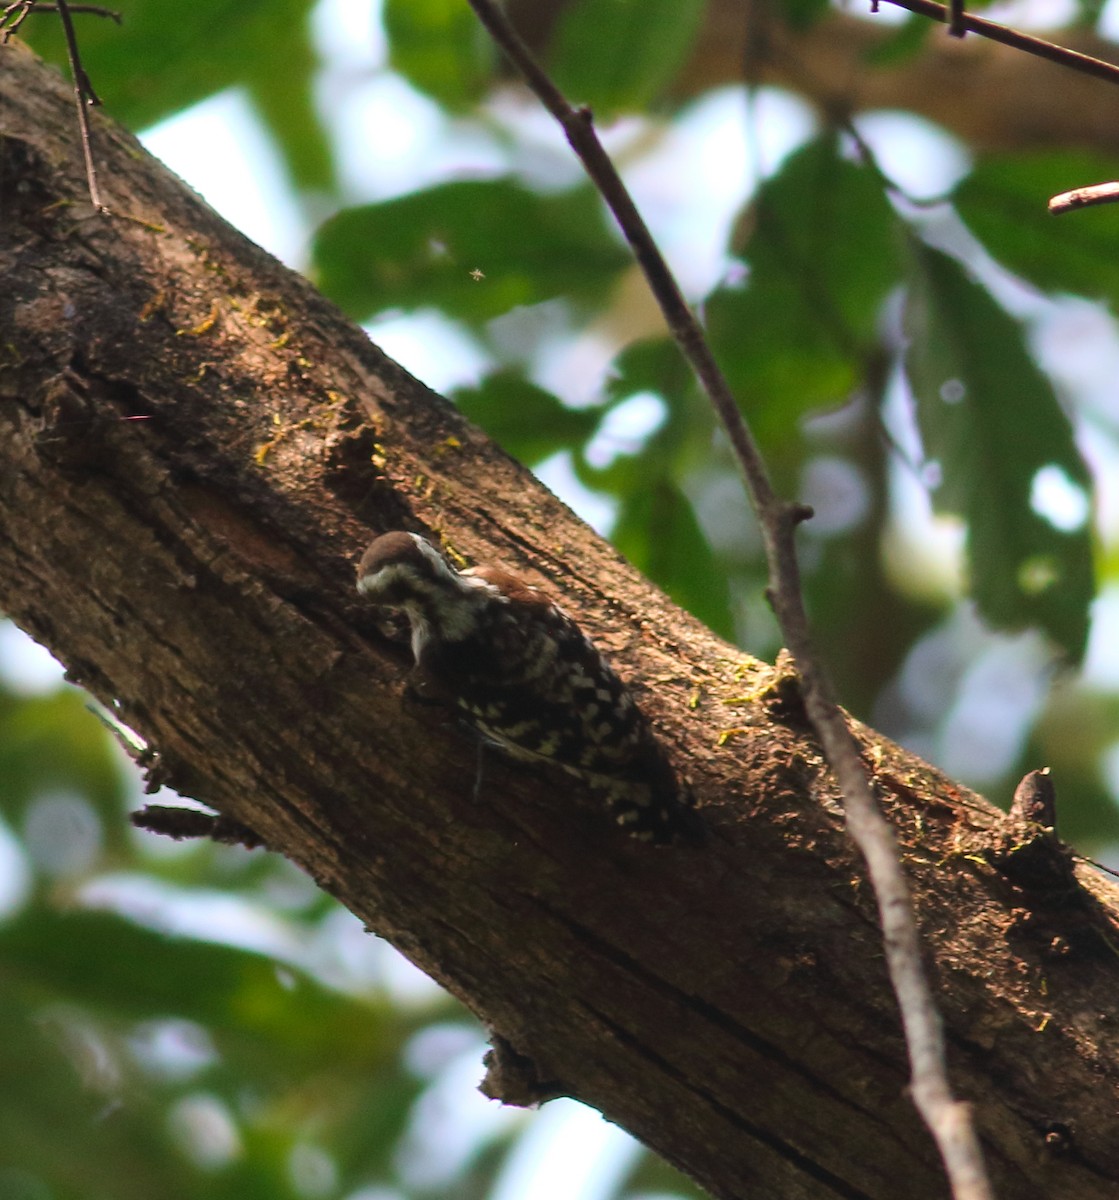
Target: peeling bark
[194, 448]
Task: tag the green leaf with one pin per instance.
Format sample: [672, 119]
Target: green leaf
[900, 44]
[657, 528]
[473, 249]
[651, 365]
[62, 1081]
[824, 255]
[779, 358]
[78, 989]
[166, 55]
[802, 14]
[105, 964]
[284, 98]
[654, 365]
[1004, 202]
[991, 420]
[620, 55]
[440, 47]
[527, 421]
[54, 743]
[658, 532]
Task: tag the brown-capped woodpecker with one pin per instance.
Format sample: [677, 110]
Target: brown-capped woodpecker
[528, 680]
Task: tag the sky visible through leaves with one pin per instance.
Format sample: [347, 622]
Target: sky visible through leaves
[926, 356]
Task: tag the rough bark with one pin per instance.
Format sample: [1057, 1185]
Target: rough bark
[194, 446]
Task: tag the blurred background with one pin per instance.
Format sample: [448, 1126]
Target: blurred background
[857, 205]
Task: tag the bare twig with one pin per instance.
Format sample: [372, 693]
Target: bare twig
[83, 95]
[24, 8]
[13, 16]
[1084, 63]
[93, 9]
[948, 1119]
[959, 22]
[1085, 197]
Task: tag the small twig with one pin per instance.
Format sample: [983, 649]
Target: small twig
[26, 7]
[959, 22]
[949, 1120]
[1085, 197]
[93, 9]
[13, 16]
[1072, 59]
[84, 95]
[180, 823]
[1098, 865]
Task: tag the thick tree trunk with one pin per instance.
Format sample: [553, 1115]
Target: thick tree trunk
[194, 447]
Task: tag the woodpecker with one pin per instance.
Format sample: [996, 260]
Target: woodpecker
[522, 674]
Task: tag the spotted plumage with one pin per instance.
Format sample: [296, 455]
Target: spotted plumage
[527, 679]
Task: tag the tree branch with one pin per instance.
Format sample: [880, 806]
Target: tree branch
[992, 96]
[194, 569]
[949, 1122]
[1085, 197]
[1072, 60]
[13, 17]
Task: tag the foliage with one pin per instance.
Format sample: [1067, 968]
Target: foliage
[1025, 568]
[657, 36]
[881, 353]
[426, 250]
[997, 202]
[150, 1051]
[151, 1056]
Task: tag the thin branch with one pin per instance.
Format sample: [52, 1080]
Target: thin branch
[84, 96]
[13, 16]
[959, 21]
[1084, 63]
[949, 1120]
[1085, 197]
[24, 8]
